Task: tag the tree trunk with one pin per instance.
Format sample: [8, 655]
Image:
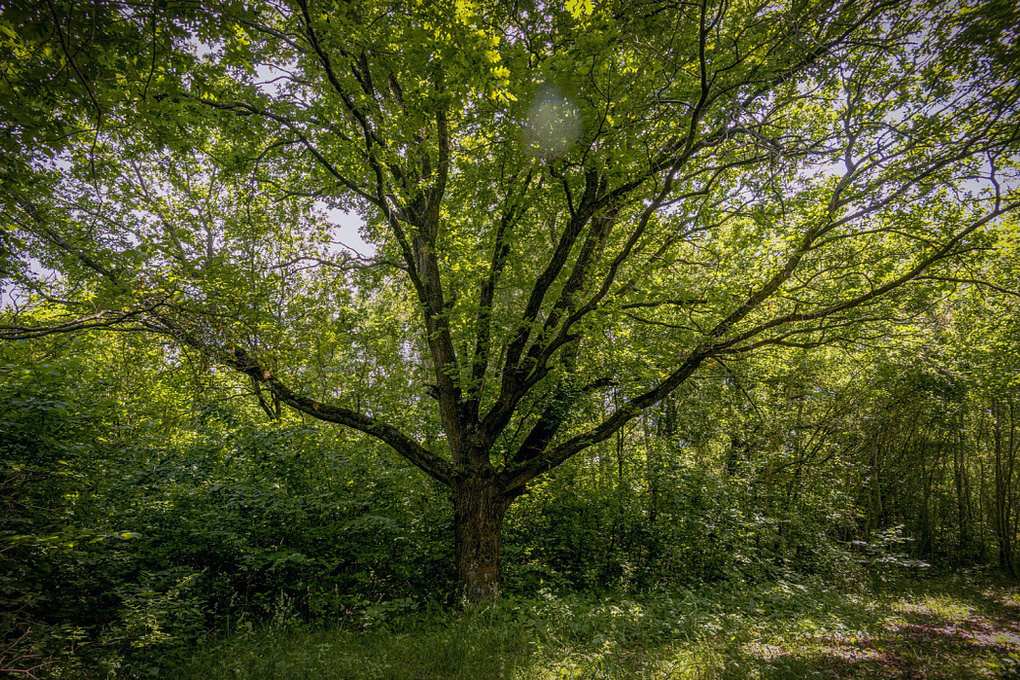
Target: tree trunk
[962, 493]
[1005, 458]
[479, 505]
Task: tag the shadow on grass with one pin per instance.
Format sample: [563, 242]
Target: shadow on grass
[951, 628]
[948, 629]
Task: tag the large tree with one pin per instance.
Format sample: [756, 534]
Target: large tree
[571, 208]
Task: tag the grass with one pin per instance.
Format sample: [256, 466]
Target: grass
[951, 627]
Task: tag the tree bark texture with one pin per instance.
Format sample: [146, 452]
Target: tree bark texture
[479, 506]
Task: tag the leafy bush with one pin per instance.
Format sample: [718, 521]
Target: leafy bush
[126, 540]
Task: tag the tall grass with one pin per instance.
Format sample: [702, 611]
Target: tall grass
[950, 628]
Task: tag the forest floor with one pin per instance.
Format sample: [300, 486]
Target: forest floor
[943, 627]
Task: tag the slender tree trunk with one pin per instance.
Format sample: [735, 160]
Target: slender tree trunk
[927, 547]
[1003, 487]
[874, 489]
[651, 475]
[962, 494]
[479, 506]
[984, 514]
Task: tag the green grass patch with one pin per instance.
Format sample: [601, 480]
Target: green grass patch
[952, 627]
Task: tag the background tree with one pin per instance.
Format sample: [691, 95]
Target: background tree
[574, 209]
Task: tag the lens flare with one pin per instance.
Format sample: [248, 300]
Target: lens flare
[553, 125]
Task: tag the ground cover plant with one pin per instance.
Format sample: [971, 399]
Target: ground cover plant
[945, 627]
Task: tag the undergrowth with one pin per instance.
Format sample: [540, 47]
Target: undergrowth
[949, 627]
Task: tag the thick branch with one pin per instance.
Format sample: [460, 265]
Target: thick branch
[106, 319]
[514, 479]
[238, 359]
[500, 253]
[554, 415]
[913, 273]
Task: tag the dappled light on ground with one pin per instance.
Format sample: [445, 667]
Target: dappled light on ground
[944, 629]
[963, 635]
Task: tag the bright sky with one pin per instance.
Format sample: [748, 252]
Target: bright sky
[347, 230]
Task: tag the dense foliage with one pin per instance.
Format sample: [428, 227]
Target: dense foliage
[150, 502]
[650, 295]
